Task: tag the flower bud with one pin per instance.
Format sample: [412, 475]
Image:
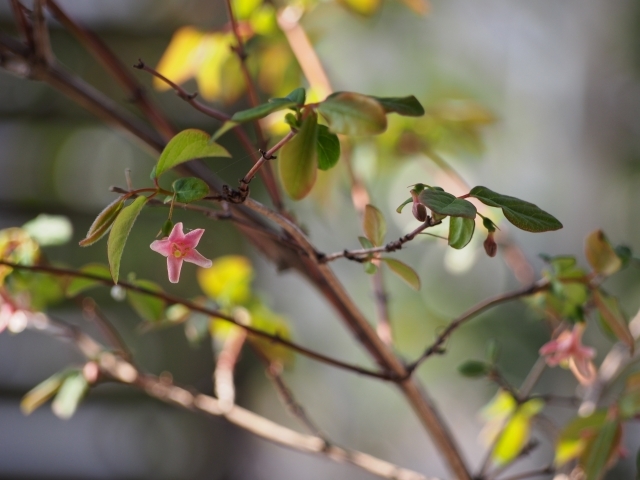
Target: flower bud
[418, 209]
[490, 245]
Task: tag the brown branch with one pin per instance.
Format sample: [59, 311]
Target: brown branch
[381, 300]
[225, 365]
[24, 27]
[171, 299]
[116, 68]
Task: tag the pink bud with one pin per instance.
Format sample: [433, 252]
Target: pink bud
[490, 245]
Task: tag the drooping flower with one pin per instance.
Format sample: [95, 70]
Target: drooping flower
[178, 248]
[568, 350]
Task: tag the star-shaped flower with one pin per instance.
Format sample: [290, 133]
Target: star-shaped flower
[178, 247]
[568, 349]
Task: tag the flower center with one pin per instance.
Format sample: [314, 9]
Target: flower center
[179, 251]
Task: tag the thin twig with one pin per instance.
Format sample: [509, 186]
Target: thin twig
[381, 300]
[24, 27]
[223, 378]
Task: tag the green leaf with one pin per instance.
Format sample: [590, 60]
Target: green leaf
[190, 189]
[596, 464]
[103, 222]
[516, 433]
[600, 254]
[374, 225]
[460, 231]
[78, 285]
[226, 126]
[263, 110]
[406, 106]
[42, 392]
[119, 233]
[365, 242]
[573, 439]
[69, 395]
[149, 308]
[407, 201]
[353, 114]
[613, 317]
[298, 96]
[629, 402]
[328, 148]
[625, 254]
[370, 268]
[444, 203]
[524, 215]
[492, 351]
[474, 369]
[49, 229]
[188, 145]
[404, 271]
[298, 159]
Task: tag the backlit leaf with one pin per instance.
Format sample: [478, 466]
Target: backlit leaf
[406, 106]
[270, 322]
[444, 203]
[179, 59]
[328, 148]
[404, 271]
[73, 388]
[49, 229]
[298, 159]
[515, 434]
[353, 114]
[460, 231]
[228, 280]
[523, 215]
[263, 110]
[600, 254]
[188, 145]
[41, 393]
[119, 233]
[574, 437]
[613, 317]
[374, 225]
[362, 7]
[103, 222]
[190, 189]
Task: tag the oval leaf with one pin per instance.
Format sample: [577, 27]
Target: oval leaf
[406, 106]
[190, 189]
[353, 114]
[149, 308]
[444, 203]
[613, 317]
[68, 398]
[328, 148]
[600, 451]
[600, 254]
[226, 126]
[298, 160]
[404, 271]
[263, 110]
[299, 96]
[78, 285]
[474, 369]
[41, 393]
[365, 242]
[374, 225]
[188, 145]
[119, 233]
[103, 222]
[460, 231]
[524, 215]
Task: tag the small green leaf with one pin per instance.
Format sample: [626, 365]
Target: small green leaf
[190, 189]
[516, 433]
[625, 254]
[524, 215]
[374, 225]
[613, 317]
[298, 159]
[119, 233]
[188, 145]
[291, 120]
[328, 148]
[370, 268]
[596, 464]
[488, 224]
[353, 114]
[261, 111]
[49, 229]
[298, 96]
[474, 369]
[167, 226]
[103, 222]
[629, 402]
[69, 395]
[226, 126]
[404, 271]
[600, 254]
[406, 106]
[573, 438]
[78, 285]
[406, 202]
[460, 231]
[364, 241]
[444, 203]
[149, 308]
[492, 351]
[42, 392]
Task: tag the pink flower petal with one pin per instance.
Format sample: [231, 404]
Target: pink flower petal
[192, 238]
[195, 257]
[174, 265]
[176, 234]
[163, 247]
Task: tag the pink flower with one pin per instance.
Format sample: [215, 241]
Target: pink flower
[178, 247]
[568, 349]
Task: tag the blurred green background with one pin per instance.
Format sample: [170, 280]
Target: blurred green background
[561, 78]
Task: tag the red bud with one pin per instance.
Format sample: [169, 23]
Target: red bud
[490, 245]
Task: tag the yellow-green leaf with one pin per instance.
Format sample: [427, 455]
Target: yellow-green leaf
[351, 113]
[119, 233]
[73, 388]
[365, 8]
[515, 434]
[404, 271]
[179, 61]
[41, 393]
[298, 159]
[188, 145]
[78, 285]
[600, 254]
[103, 222]
[374, 225]
[573, 439]
[149, 308]
[460, 231]
[228, 280]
